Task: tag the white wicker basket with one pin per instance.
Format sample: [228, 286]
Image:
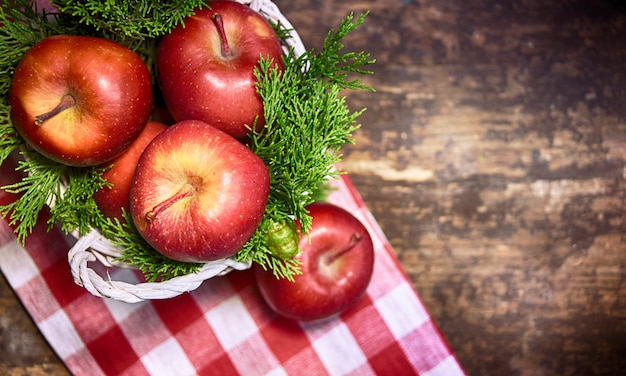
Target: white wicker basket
[94, 247]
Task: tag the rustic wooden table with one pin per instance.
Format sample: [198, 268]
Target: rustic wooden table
[493, 156]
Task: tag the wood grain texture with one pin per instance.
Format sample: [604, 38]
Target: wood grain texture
[23, 350]
[492, 155]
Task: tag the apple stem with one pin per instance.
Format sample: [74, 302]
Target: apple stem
[354, 240]
[219, 24]
[66, 102]
[186, 191]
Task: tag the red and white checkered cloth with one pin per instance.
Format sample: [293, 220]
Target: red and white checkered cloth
[223, 327]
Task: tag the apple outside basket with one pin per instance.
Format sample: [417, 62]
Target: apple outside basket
[95, 248]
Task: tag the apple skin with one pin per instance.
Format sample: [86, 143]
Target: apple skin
[111, 87]
[111, 200]
[198, 194]
[324, 288]
[198, 82]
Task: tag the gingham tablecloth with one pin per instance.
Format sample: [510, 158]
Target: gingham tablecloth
[223, 327]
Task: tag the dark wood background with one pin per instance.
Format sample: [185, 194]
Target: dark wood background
[493, 156]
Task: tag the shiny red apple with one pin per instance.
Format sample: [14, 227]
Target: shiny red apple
[80, 100]
[206, 66]
[198, 194]
[337, 264]
[111, 200]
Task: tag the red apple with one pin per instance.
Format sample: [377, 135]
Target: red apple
[206, 66]
[80, 100]
[198, 194]
[111, 200]
[337, 265]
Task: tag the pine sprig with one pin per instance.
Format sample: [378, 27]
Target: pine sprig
[40, 186]
[302, 137]
[67, 190]
[77, 210]
[307, 123]
[334, 66]
[131, 19]
[9, 139]
[22, 27]
[136, 24]
[137, 252]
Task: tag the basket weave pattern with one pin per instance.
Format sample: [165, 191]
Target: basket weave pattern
[94, 247]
